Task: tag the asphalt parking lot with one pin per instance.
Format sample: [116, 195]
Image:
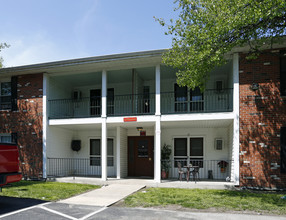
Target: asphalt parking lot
[15, 208]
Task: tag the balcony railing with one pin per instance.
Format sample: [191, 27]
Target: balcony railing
[142, 104]
[208, 169]
[210, 101]
[62, 167]
[118, 105]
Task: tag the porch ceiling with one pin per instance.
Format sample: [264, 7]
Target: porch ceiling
[198, 124]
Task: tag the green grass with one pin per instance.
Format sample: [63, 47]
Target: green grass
[220, 200]
[49, 191]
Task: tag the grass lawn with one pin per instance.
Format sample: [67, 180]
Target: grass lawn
[49, 191]
[219, 200]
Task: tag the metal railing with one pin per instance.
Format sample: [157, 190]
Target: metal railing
[62, 167]
[142, 104]
[211, 101]
[136, 104]
[118, 105]
[208, 169]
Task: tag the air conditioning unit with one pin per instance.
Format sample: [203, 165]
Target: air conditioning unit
[76, 95]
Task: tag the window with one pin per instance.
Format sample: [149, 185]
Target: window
[95, 152]
[218, 144]
[95, 102]
[181, 97]
[5, 138]
[196, 100]
[5, 95]
[283, 73]
[110, 152]
[283, 149]
[180, 151]
[192, 103]
[188, 151]
[110, 101]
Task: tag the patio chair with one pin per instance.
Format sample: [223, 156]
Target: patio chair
[181, 172]
[195, 173]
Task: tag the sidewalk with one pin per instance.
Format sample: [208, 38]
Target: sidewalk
[105, 196]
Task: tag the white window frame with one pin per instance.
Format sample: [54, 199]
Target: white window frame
[188, 148]
[99, 156]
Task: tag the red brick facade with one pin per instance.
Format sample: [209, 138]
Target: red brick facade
[27, 123]
[262, 114]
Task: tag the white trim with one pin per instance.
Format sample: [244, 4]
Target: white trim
[235, 148]
[75, 121]
[104, 150]
[45, 124]
[158, 93]
[157, 152]
[118, 168]
[198, 117]
[104, 94]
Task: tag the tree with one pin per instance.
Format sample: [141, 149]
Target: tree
[2, 46]
[206, 30]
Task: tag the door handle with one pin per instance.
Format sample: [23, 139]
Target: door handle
[150, 158]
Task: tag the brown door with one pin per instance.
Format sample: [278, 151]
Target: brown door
[141, 156]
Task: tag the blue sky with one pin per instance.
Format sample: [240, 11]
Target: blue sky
[43, 31]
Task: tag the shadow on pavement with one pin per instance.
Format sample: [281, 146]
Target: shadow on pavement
[10, 204]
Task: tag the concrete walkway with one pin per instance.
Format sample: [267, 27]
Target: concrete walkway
[150, 183]
[105, 196]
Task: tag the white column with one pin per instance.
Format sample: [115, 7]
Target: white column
[118, 152]
[158, 83]
[103, 150]
[45, 123]
[104, 94]
[103, 127]
[235, 150]
[157, 161]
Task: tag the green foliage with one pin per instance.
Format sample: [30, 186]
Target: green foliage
[2, 46]
[206, 30]
[165, 157]
[219, 200]
[50, 191]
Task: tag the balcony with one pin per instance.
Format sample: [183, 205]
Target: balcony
[143, 104]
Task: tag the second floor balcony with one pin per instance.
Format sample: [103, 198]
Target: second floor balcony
[177, 102]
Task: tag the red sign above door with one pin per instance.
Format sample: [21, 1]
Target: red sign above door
[130, 119]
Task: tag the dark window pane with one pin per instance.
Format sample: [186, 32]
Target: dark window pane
[196, 146]
[95, 147]
[110, 147]
[110, 162]
[180, 148]
[5, 88]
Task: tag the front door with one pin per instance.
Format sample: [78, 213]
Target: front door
[141, 156]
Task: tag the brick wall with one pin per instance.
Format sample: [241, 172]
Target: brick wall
[27, 123]
[262, 114]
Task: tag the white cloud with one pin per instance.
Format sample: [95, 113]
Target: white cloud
[35, 48]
